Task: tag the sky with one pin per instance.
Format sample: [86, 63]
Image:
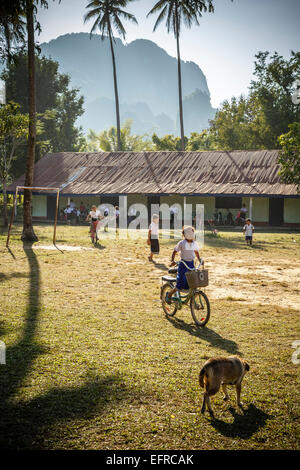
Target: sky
[224, 45]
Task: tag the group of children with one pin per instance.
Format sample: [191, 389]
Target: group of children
[188, 249]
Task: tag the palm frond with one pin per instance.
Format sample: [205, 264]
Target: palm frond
[158, 6]
[160, 18]
[107, 13]
[90, 15]
[127, 16]
[118, 26]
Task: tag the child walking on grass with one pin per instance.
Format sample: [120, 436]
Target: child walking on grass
[189, 250]
[153, 240]
[248, 231]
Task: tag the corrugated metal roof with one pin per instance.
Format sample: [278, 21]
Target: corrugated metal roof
[230, 173]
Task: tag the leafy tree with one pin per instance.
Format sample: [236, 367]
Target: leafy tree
[256, 121]
[57, 106]
[107, 15]
[200, 141]
[289, 156]
[273, 89]
[177, 12]
[168, 142]
[106, 141]
[13, 131]
[240, 124]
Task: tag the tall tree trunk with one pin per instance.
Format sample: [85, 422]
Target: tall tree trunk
[28, 232]
[5, 217]
[179, 85]
[116, 92]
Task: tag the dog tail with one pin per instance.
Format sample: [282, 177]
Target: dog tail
[201, 376]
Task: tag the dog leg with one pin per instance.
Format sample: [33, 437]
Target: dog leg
[238, 395]
[204, 403]
[209, 406]
[226, 396]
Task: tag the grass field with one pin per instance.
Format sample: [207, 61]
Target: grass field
[93, 363]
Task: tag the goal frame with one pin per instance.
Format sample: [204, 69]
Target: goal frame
[33, 188]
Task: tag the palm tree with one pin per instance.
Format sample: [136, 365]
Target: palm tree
[30, 7]
[12, 29]
[28, 232]
[107, 14]
[177, 12]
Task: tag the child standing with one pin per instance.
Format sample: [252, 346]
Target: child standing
[248, 231]
[189, 249]
[153, 241]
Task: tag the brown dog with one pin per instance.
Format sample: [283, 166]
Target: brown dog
[222, 371]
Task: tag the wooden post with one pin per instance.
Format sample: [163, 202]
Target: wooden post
[55, 220]
[12, 216]
[250, 208]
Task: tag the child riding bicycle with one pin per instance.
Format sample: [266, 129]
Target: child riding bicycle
[189, 249]
[94, 216]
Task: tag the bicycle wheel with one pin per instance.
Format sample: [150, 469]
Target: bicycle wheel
[200, 308]
[169, 310]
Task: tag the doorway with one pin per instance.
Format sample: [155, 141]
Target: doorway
[276, 205]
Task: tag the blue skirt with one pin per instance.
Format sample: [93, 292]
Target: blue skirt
[181, 282]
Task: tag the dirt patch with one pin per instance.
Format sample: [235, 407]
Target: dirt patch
[61, 247]
[275, 283]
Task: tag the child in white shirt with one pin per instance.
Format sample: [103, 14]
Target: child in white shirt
[94, 216]
[153, 240]
[248, 231]
[189, 250]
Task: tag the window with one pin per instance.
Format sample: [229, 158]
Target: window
[228, 202]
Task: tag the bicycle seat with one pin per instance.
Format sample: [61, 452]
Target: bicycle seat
[172, 270]
[169, 278]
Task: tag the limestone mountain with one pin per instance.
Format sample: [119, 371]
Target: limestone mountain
[147, 81]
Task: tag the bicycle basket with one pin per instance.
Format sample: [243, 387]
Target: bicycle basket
[197, 278]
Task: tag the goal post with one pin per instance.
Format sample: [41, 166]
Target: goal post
[14, 208]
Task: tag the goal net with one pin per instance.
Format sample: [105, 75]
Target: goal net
[36, 189]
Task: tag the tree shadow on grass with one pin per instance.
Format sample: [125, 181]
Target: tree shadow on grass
[29, 425]
[244, 425]
[6, 277]
[24, 424]
[206, 334]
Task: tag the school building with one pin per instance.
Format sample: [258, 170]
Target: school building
[219, 180]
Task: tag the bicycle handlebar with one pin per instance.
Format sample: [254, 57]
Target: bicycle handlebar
[201, 263]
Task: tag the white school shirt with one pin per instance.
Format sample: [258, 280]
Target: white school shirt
[248, 229]
[94, 214]
[154, 228]
[187, 249]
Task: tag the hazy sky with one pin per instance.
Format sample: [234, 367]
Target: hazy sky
[223, 45]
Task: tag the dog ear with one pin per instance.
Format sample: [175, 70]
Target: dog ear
[247, 367]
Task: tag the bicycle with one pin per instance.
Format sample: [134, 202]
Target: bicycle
[93, 232]
[197, 299]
